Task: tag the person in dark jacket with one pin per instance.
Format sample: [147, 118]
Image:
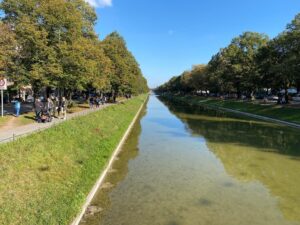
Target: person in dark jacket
[91, 102]
[38, 106]
[50, 107]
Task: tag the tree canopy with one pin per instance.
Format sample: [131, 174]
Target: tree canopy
[7, 48]
[127, 76]
[57, 47]
[250, 63]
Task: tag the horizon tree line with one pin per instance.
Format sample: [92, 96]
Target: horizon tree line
[251, 64]
[52, 44]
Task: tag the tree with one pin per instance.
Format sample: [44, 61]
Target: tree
[8, 48]
[199, 78]
[34, 55]
[127, 75]
[252, 62]
[266, 58]
[282, 67]
[240, 61]
[58, 48]
[53, 38]
[293, 41]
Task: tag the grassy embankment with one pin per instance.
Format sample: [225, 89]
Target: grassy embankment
[285, 113]
[46, 176]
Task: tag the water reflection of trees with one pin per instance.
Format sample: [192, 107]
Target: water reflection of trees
[119, 171]
[279, 173]
[221, 127]
[243, 148]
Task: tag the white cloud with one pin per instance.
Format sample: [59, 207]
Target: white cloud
[100, 3]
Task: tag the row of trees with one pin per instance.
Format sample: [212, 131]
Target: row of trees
[52, 44]
[249, 64]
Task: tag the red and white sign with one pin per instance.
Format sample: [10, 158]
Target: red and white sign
[3, 84]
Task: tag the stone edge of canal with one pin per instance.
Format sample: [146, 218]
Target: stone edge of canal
[103, 174]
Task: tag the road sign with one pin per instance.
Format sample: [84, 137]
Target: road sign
[3, 84]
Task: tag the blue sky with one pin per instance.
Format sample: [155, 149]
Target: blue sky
[169, 36]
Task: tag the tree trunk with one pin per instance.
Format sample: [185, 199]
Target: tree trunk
[239, 94]
[298, 86]
[68, 94]
[238, 90]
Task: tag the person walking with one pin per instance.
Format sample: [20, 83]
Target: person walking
[53, 99]
[57, 106]
[17, 104]
[63, 107]
[50, 107]
[98, 100]
[91, 102]
[38, 108]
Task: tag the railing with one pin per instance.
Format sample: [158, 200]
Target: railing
[14, 136]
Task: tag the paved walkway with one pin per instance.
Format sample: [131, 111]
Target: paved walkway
[282, 122]
[11, 134]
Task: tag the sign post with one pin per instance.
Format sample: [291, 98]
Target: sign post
[2, 103]
[3, 86]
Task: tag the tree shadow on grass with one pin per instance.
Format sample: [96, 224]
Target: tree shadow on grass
[30, 117]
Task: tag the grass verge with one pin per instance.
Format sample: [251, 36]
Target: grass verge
[46, 176]
[273, 111]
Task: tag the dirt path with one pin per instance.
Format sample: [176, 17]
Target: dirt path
[10, 124]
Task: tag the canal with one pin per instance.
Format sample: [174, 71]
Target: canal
[183, 165]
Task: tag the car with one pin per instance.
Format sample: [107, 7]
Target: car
[272, 97]
[296, 97]
[30, 99]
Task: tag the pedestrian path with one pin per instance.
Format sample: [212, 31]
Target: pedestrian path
[11, 134]
[282, 122]
[10, 124]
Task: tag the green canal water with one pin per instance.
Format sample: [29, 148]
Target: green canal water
[192, 166]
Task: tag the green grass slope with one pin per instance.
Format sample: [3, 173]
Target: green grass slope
[46, 176]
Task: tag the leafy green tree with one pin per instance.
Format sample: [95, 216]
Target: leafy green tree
[282, 67]
[293, 42]
[102, 69]
[249, 63]
[31, 41]
[240, 61]
[127, 75]
[57, 44]
[36, 58]
[217, 74]
[185, 82]
[279, 60]
[8, 49]
[199, 78]
[58, 48]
